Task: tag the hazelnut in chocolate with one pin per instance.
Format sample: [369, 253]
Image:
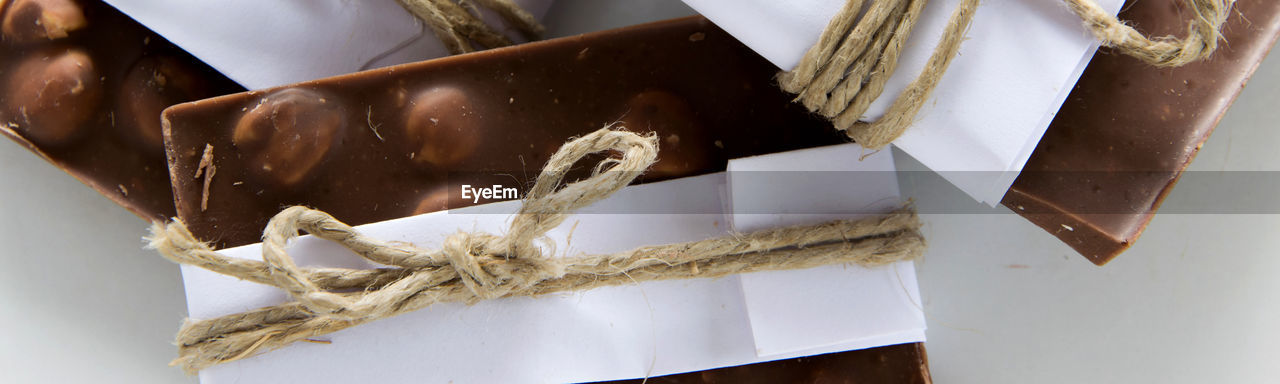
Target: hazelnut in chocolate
[52, 94]
[33, 21]
[442, 127]
[151, 84]
[287, 134]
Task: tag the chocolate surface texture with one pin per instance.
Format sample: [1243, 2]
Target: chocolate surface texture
[1128, 130]
[383, 144]
[394, 142]
[82, 85]
[899, 364]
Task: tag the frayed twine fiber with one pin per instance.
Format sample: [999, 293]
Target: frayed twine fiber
[473, 266]
[460, 29]
[846, 70]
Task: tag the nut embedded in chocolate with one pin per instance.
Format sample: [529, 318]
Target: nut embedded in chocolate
[287, 134]
[52, 95]
[680, 135]
[439, 199]
[152, 84]
[442, 128]
[28, 21]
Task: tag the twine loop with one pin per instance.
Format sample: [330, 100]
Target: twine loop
[1204, 30]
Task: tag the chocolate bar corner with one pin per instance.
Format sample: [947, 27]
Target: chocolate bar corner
[1128, 130]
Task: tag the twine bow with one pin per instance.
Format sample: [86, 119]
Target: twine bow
[476, 266]
[846, 70]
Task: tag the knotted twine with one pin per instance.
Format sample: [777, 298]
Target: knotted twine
[846, 70]
[458, 28]
[472, 266]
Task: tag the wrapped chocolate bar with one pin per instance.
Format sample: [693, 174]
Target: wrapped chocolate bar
[289, 179]
[83, 87]
[292, 164]
[1110, 206]
[635, 329]
[383, 143]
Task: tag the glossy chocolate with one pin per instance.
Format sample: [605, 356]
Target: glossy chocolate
[82, 85]
[1128, 130]
[286, 135]
[381, 144]
[52, 94]
[34, 21]
[443, 128]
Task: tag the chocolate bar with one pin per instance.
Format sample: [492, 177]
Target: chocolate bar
[900, 364]
[82, 86]
[1128, 130]
[383, 144]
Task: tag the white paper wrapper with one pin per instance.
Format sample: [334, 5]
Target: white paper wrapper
[631, 331]
[1014, 70]
[262, 44]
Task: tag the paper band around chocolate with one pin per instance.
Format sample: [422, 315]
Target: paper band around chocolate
[477, 266]
[846, 69]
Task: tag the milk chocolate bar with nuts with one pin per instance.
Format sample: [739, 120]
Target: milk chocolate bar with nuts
[383, 144]
[82, 86]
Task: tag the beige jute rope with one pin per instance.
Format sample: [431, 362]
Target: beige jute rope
[846, 70]
[458, 28]
[473, 266]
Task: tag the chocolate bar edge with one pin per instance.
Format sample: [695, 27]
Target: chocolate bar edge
[109, 191]
[1073, 230]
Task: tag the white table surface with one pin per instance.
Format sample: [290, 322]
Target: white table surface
[1194, 301]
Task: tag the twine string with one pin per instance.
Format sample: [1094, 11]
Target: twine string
[461, 30]
[845, 71]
